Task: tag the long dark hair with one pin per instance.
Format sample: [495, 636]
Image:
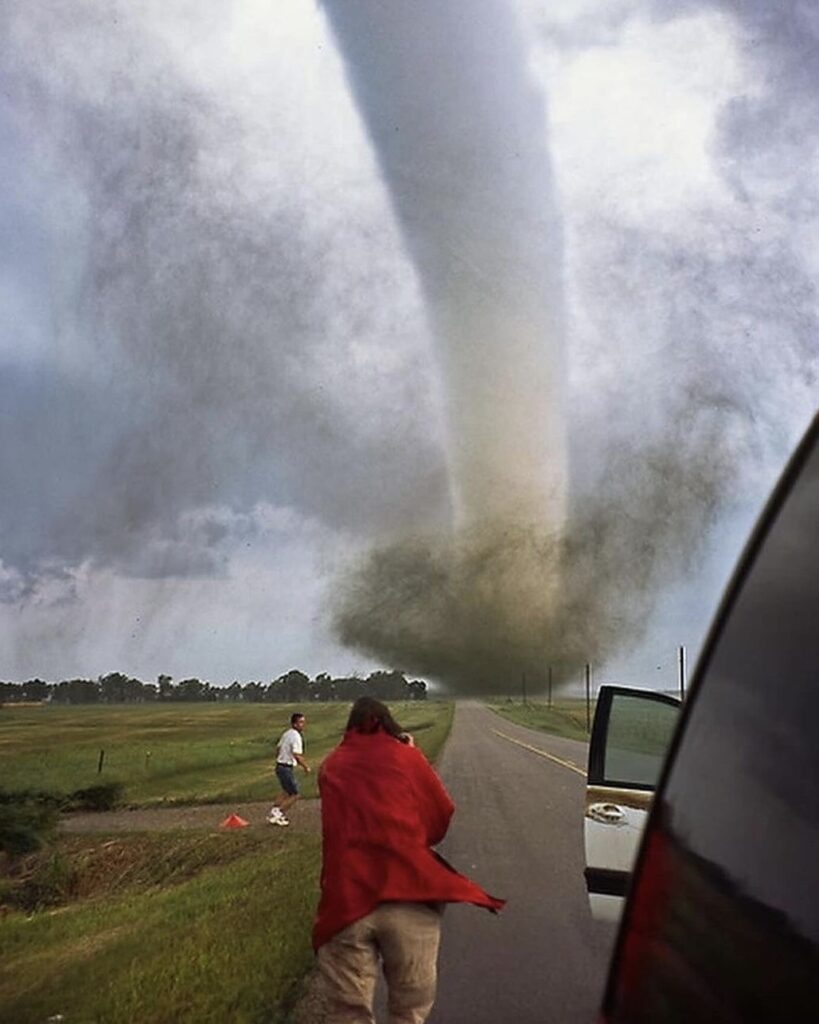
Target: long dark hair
[369, 715]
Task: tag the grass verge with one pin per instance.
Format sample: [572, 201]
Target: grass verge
[184, 927]
[564, 718]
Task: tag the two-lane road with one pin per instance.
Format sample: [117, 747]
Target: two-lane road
[518, 830]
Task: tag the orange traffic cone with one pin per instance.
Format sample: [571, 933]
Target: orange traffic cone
[234, 821]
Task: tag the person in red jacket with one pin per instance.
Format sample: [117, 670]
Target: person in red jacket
[383, 887]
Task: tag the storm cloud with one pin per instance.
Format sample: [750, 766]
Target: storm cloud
[224, 324]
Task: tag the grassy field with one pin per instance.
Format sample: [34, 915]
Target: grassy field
[162, 927]
[566, 716]
[179, 753]
[180, 927]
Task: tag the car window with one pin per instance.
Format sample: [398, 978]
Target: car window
[639, 733]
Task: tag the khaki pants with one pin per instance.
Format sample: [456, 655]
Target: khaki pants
[405, 936]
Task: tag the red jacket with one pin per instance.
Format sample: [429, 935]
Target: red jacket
[382, 808]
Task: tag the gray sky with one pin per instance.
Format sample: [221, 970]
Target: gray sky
[223, 398]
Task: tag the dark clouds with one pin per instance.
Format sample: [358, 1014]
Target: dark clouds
[209, 322]
[215, 317]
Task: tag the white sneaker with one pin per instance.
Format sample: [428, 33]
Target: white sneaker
[276, 817]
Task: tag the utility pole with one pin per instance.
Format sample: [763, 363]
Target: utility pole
[588, 697]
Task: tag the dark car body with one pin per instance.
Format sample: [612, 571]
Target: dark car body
[721, 921]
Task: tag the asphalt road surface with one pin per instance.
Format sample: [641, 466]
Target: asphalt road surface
[518, 831]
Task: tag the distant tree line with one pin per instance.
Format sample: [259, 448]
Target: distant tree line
[291, 688]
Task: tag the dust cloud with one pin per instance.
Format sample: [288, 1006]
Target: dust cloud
[493, 608]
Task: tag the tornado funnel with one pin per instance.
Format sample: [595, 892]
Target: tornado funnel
[460, 135]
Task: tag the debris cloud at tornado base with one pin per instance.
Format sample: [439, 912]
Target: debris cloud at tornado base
[476, 610]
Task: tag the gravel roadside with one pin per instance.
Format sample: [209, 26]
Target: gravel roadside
[305, 816]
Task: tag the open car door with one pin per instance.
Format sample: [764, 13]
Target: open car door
[631, 733]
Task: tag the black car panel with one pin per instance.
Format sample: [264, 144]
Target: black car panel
[722, 922]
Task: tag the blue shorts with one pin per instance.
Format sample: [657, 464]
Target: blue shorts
[286, 775]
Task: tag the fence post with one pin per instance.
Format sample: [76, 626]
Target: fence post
[99, 763]
[550, 686]
[682, 671]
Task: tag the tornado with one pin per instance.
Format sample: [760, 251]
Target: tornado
[460, 133]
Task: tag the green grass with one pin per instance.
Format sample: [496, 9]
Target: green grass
[178, 753]
[641, 727]
[179, 928]
[183, 926]
[566, 717]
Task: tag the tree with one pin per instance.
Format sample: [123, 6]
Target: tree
[76, 691]
[117, 688]
[35, 689]
[165, 687]
[10, 693]
[323, 688]
[253, 692]
[417, 690]
[388, 685]
[191, 690]
[291, 688]
[350, 688]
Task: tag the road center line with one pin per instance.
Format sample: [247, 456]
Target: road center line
[542, 753]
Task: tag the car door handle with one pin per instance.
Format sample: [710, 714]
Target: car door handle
[608, 814]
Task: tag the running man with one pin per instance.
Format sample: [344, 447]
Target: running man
[290, 754]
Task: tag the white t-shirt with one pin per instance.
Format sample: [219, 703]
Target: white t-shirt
[289, 744]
